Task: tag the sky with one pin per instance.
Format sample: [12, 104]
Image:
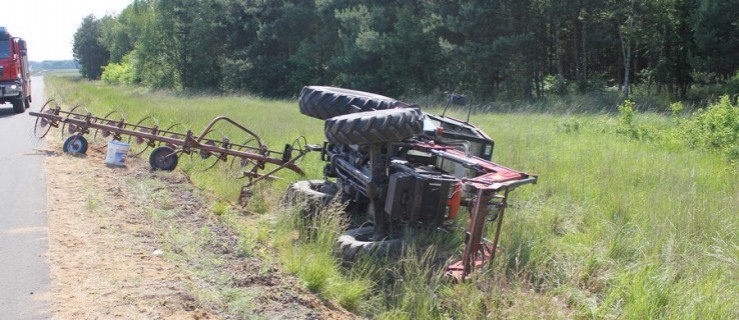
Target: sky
[48, 26]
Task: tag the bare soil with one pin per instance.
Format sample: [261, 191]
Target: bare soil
[110, 257]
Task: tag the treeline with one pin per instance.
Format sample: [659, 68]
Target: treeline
[53, 65]
[509, 49]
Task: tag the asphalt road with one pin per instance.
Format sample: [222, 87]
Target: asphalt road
[24, 272]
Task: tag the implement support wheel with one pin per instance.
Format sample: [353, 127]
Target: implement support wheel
[163, 158]
[75, 144]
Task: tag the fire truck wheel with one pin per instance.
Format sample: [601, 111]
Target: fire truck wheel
[163, 158]
[75, 144]
[374, 126]
[355, 242]
[28, 102]
[327, 102]
[19, 105]
[309, 195]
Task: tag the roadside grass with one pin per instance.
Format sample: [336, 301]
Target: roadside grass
[195, 250]
[619, 225]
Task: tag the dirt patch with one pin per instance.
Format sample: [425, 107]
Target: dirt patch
[125, 242]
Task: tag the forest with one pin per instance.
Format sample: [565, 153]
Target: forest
[675, 50]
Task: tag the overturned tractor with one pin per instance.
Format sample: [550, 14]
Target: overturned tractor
[401, 167]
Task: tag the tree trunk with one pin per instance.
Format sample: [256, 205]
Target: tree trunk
[576, 48]
[584, 51]
[558, 50]
[626, 54]
[626, 49]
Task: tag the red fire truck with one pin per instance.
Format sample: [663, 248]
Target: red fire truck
[15, 77]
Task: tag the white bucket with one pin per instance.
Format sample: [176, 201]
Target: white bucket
[117, 152]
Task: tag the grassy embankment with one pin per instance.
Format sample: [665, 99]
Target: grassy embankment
[619, 225]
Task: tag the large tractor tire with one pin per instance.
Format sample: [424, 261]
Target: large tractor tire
[356, 242]
[311, 195]
[328, 102]
[374, 126]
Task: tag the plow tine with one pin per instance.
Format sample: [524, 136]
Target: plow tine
[220, 158]
[174, 131]
[209, 142]
[100, 135]
[75, 113]
[42, 126]
[239, 166]
[139, 144]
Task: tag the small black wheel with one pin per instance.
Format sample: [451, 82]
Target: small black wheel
[163, 158]
[75, 144]
[356, 242]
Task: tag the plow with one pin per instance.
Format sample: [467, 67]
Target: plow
[389, 164]
[248, 159]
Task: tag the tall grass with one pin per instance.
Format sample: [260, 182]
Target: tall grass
[617, 227]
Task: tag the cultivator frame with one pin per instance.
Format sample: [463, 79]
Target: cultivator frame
[253, 156]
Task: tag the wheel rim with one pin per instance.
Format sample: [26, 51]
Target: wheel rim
[164, 159]
[76, 144]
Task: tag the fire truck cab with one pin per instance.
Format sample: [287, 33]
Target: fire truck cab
[15, 76]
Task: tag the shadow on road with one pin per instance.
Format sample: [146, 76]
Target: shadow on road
[7, 112]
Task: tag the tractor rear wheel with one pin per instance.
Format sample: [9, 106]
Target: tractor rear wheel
[327, 102]
[374, 126]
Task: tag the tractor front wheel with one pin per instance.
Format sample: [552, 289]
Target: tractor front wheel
[356, 242]
[310, 195]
